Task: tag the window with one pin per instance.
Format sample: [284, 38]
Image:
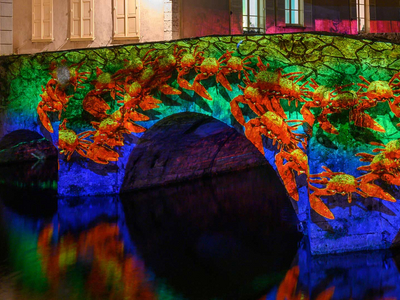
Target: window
[253, 16]
[81, 20]
[361, 14]
[126, 19]
[294, 12]
[42, 20]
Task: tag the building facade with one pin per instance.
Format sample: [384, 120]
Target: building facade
[30, 26]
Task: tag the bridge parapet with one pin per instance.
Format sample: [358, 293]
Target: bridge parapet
[322, 109]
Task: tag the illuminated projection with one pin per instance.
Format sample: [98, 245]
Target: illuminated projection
[324, 110]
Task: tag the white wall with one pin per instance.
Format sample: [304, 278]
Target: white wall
[151, 26]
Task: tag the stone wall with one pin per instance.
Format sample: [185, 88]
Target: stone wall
[171, 19]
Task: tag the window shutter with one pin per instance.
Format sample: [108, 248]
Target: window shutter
[75, 18]
[119, 18]
[42, 20]
[353, 10]
[36, 19]
[308, 16]
[280, 13]
[81, 19]
[132, 19]
[270, 13]
[47, 19]
[126, 19]
[87, 19]
[372, 9]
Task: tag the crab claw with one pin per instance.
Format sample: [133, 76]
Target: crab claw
[168, 90]
[135, 116]
[132, 127]
[101, 155]
[277, 108]
[319, 207]
[235, 109]
[326, 125]
[95, 105]
[149, 102]
[183, 83]
[199, 89]
[252, 132]
[289, 181]
[376, 191]
[307, 115]
[287, 175]
[44, 119]
[223, 81]
[361, 119]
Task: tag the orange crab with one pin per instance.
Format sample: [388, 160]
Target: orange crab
[385, 165]
[110, 131]
[344, 184]
[134, 66]
[275, 86]
[164, 66]
[276, 128]
[253, 98]
[376, 91]
[187, 62]
[258, 101]
[234, 64]
[330, 101]
[94, 104]
[296, 160]
[106, 82]
[54, 99]
[210, 66]
[69, 141]
[68, 75]
[290, 89]
[101, 154]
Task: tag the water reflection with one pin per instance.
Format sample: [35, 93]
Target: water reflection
[210, 239]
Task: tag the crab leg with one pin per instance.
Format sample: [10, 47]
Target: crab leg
[44, 118]
[235, 109]
[252, 132]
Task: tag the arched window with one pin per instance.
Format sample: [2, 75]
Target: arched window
[253, 16]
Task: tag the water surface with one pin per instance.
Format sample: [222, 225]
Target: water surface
[228, 237]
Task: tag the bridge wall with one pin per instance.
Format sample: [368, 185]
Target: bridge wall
[347, 109]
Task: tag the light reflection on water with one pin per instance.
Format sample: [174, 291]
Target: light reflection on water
[214, 238]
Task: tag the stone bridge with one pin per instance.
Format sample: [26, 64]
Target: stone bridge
[322, 110]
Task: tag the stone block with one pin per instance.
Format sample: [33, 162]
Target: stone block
[167, 6]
